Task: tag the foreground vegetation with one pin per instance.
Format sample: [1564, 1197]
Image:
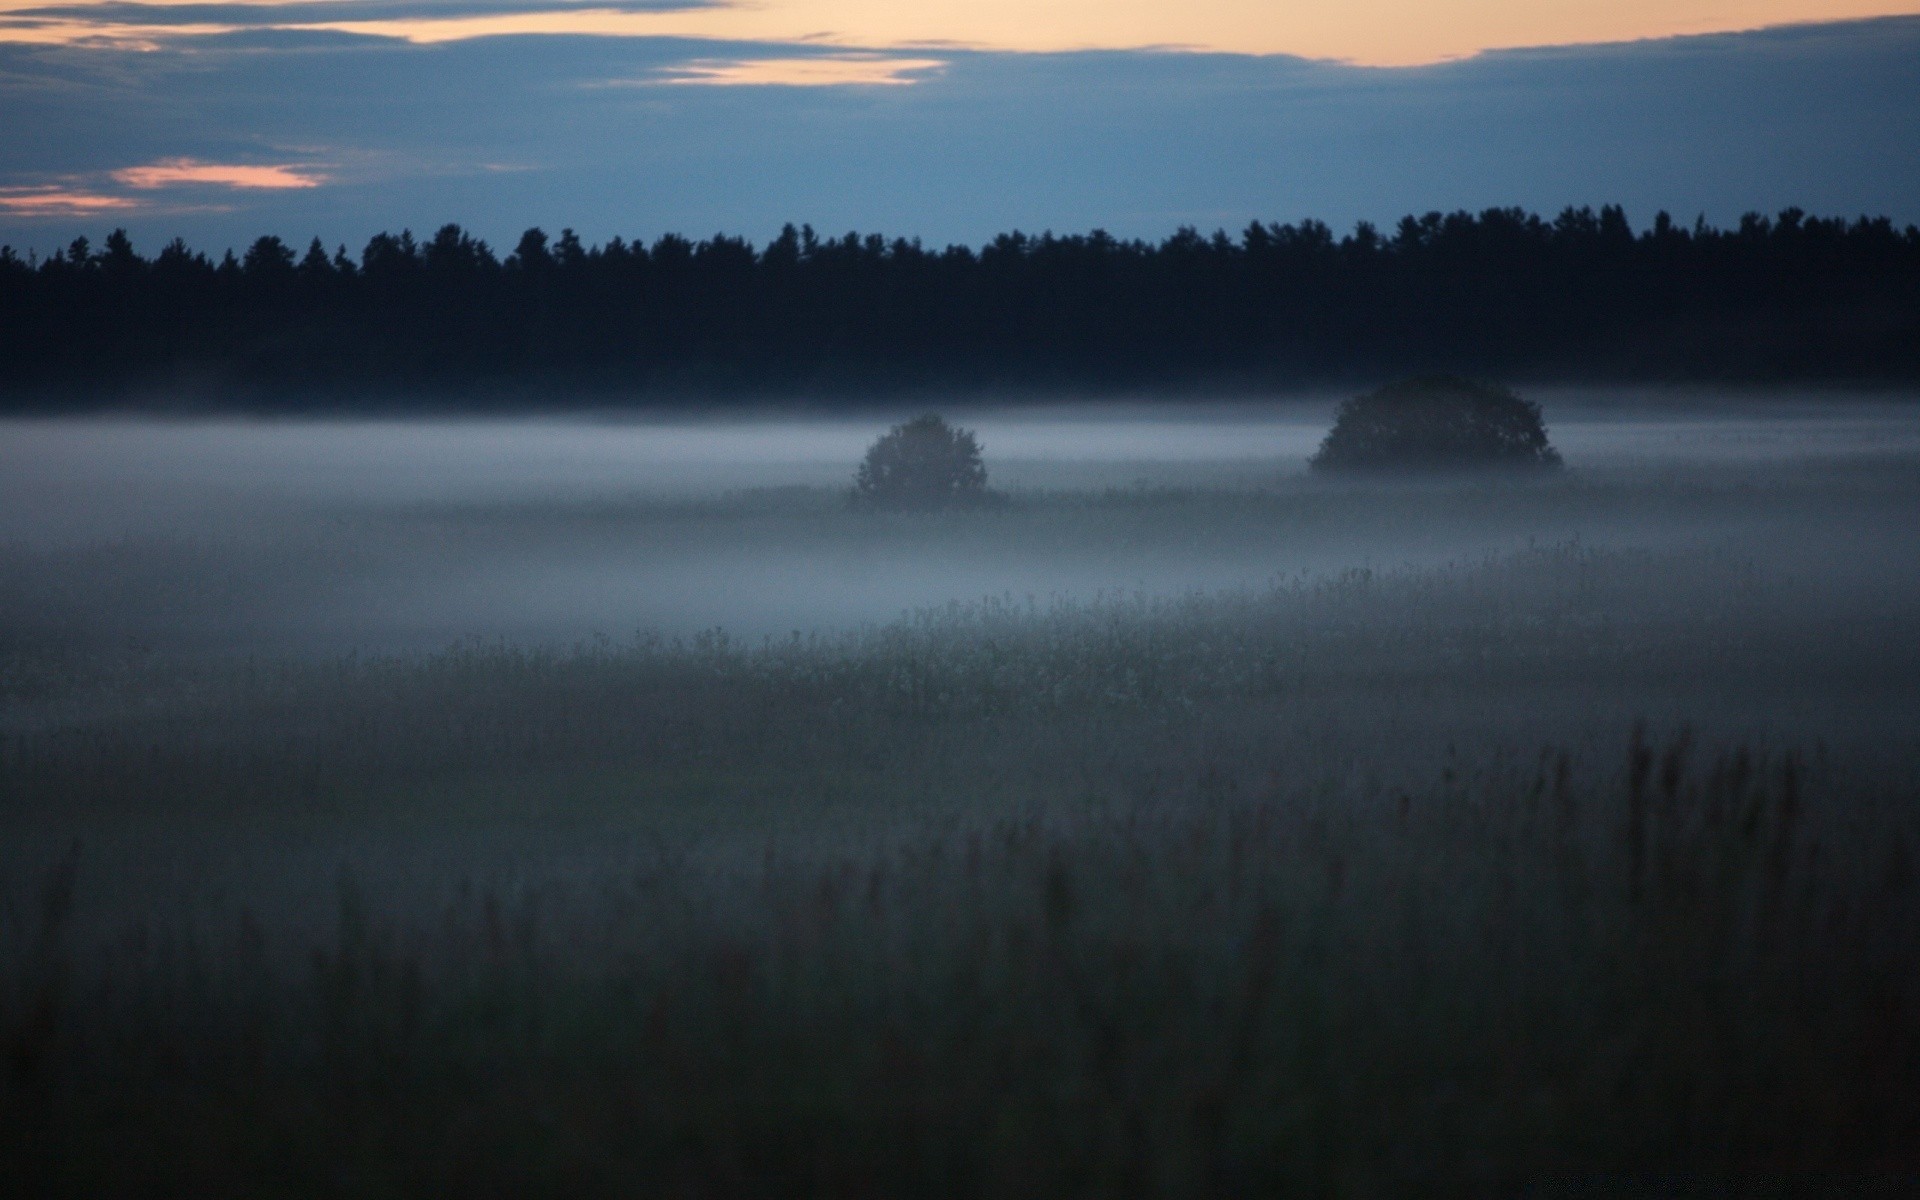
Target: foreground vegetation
[1369, 884]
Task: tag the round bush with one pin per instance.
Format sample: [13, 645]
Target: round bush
[924, 463]
[1436, 422]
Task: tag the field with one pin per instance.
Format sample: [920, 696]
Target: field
[496, 810]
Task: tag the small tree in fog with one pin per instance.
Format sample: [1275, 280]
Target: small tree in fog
[1436, 422]
[924, 463]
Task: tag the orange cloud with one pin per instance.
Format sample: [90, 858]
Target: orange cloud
[234, 175]
[59, 202]
[118, 35]
[823, 71]
[1370, 32]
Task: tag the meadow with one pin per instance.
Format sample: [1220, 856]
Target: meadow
[1180, 826]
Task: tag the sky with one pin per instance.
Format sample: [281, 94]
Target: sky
[951, 120]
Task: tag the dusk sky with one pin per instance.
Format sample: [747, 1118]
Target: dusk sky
[951, 121]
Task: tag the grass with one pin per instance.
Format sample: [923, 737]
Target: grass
[1571, 869]
[1501, 979]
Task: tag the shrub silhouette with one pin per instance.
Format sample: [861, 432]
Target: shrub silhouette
[1436, 421]
[924, 463]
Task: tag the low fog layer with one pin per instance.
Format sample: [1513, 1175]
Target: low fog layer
[266, 537]
[1616, 762]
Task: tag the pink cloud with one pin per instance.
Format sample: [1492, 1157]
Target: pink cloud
[59, 202]
[822, 71]
[234, 175]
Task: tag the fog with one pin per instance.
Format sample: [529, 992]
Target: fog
[298, 536]
[1513, 758]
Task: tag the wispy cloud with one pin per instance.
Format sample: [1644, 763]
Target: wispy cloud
[282, 13]
[151, 24]
[829, 70]
[56, 201]
[128, 190]
[171, 171]
[1370, 32]
[91, 34]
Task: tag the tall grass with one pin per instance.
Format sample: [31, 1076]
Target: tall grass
[1497, 980]
[1372, 884]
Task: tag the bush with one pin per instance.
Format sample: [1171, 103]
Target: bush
[1436, 421]
[924, 463]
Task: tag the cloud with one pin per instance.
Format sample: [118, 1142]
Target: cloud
[825, 70]
[324, 12]
[233, 175]
[133, 25]
[58, 201]
[1137, 142]
[101, 193]
[36, 31]
[1377, 32]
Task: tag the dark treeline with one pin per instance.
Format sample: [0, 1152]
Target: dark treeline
[1503, 293]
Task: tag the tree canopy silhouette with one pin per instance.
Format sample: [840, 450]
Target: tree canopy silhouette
[1436, 422]
[923, 463]
[1502, 293]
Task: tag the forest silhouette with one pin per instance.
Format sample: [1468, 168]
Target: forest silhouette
[1579, 297]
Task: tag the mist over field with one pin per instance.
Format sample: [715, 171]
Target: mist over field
[550, 804]
[264, 536]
